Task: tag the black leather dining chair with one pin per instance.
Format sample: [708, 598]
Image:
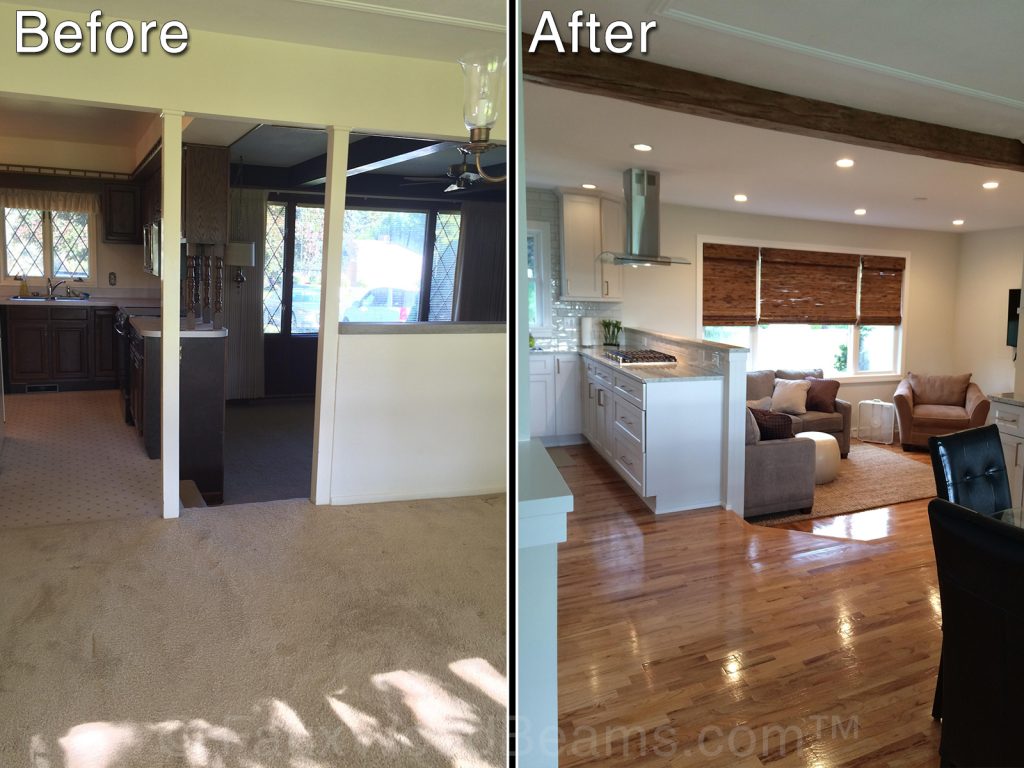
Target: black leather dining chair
[980, 563]
[970, 469]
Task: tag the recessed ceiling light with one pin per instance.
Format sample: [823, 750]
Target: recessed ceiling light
[860, 212]
[844, 162]
[589, 186]
[740, 198]
[958, 222]
[642, 147]
[990, 185]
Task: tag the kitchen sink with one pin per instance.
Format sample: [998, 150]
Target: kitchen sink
[48, 298]
[69, 298]
[29, 298]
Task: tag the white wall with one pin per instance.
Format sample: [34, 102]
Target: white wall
[665, 298]
[990, 265]
[420, 416]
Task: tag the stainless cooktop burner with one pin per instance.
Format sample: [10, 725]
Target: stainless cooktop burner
[639, 357]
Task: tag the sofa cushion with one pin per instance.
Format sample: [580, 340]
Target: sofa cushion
[790, 396]
[773, 426]
[948, 417]
[753, 433]
[782, 373]
[939, 390]
[816, 421]
[822, 394]
[763, 404]
[760, 384]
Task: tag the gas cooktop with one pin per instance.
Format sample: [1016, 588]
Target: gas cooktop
[639, 357]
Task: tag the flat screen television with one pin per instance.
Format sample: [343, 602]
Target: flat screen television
[1012, 318]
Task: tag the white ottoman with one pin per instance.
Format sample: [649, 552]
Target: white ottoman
[826, 456]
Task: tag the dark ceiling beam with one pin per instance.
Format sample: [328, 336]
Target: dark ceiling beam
[312, 171]
[679, 90]
[410, 154]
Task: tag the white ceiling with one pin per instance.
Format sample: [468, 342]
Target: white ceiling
[429, 29]
[941, 61]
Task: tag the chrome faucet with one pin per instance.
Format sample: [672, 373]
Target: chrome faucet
[51, 287]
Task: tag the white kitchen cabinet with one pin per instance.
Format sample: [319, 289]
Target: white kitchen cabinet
[663, 438]
[542, 395]
[555, 398]
[590, 226]
[568, 416]
[1010, 420]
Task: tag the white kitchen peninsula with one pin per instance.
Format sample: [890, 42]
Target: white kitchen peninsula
[667, 429]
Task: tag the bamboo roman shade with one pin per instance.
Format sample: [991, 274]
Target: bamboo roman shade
[808, 287]
[881, 290]
[730, 284]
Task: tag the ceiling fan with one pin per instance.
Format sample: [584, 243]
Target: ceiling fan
[462, 175]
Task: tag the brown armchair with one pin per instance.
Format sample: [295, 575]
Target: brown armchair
[937, 405]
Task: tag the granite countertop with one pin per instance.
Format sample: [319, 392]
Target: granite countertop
[151, 326]
[652, 374]
[1010, 398]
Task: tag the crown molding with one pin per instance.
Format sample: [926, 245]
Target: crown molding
[407, 14]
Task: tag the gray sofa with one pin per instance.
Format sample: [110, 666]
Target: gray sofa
[761, 384]
[779, 474]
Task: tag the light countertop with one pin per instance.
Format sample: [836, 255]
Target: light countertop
[151, 326]
[1009, 398]
[92, 301]
[652, 374]
[543, 498]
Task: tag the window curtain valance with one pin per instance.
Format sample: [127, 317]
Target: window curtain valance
[730, 284]
[43, 200]
[881, 290]
[808, 287]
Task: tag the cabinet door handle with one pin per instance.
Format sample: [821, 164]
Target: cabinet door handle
[558, 365]
[605, 287]
[590, 391]
[1016, 454]
[600, 400]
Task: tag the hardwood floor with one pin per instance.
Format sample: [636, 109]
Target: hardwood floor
[696, 639]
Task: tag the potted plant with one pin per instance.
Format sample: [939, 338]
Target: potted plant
[611, 332]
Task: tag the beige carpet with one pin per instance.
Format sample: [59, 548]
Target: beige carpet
[870, 477]
[69, 457]
[258, 636]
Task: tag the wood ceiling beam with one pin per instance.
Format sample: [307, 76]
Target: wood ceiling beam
[679, 90]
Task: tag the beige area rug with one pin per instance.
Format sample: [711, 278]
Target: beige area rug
[870, 477]
[69, 457]
[269, 635]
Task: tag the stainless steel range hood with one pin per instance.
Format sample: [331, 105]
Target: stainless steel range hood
[643, 208]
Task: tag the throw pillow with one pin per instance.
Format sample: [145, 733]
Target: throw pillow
[790, 396]
[763, 404]
[753, 433]
[773, 426]
[822, 395]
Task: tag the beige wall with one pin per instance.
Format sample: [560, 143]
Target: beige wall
[665, 299]
[990, 265]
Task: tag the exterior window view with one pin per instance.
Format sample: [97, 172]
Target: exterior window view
[768, 384]
[254, 363]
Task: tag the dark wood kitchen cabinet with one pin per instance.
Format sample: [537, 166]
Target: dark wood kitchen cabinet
[67, 348]
[122, 214]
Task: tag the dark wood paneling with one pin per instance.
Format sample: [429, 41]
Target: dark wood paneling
[203, 377]
[679, 90]
[289, 365]
[28, 358]
[70, 350]
[206, 193]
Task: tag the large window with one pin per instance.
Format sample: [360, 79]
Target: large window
[538, 236]
[801, 309]
[46, 243]
[397, 266]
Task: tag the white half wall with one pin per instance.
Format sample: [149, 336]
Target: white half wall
[420, 416]
[990, 265]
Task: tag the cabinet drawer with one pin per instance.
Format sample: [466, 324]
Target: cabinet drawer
[541, 363]
[629, 419]
[629, 388]
[629, 461]
[1008, 418]
[604, 375]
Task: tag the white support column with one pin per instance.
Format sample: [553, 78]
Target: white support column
[327, 344]
[170, 300]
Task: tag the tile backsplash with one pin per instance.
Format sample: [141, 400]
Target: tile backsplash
[544, 205]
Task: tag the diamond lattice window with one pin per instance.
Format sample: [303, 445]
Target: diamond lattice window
[273, 267]
[70, 244]
[24, 242]
[442, 277]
